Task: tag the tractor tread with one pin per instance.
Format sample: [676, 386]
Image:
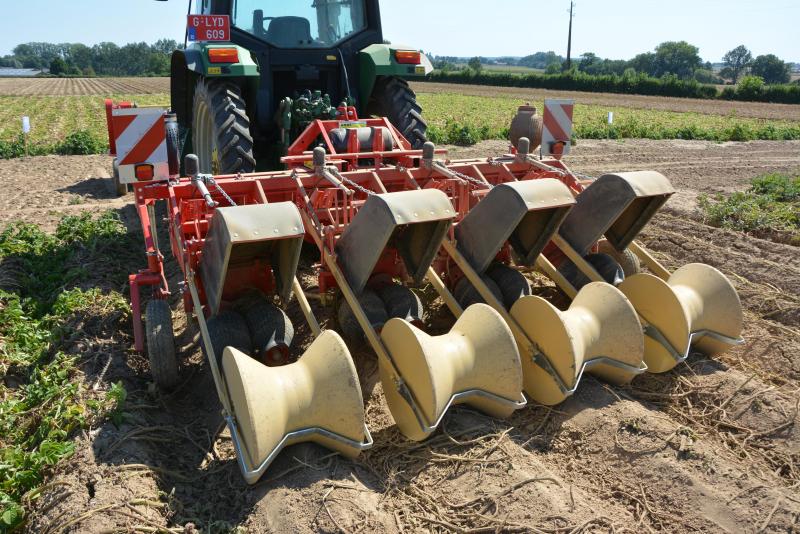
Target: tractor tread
[231, 125]
[394, 99]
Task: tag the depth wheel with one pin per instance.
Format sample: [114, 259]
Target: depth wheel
[228, 329]
[221, 129]
[119, 188]
[401, 302]
[271, 330]
[511, 282]
[466, 294]
[393, 98]
[161, 344]
[374, 309]
[627, 260]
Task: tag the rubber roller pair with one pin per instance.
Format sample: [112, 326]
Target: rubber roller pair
[599, 333]
[318, 398]
[696, 307]
[475, 363]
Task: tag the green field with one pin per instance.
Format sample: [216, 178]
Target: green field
[453, 118]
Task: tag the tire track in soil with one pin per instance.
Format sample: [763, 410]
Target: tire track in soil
[600, 460]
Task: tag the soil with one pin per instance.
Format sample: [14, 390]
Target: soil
[82, 86]
[712, 107]
[711, 446]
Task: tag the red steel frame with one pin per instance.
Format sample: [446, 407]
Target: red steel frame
[328, 207]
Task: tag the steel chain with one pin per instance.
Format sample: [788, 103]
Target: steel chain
[471, 179]
[334, 171]
[221, 191]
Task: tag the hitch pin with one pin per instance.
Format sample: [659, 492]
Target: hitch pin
[191, 164]
[322, 171]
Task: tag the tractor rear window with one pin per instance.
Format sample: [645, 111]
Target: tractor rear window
[300, 23]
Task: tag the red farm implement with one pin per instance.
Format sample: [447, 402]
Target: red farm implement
[385, 219]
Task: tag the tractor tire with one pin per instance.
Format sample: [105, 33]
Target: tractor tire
[228, 329]
[466, 294]
[271, 330]
[393, 98]
[608, 269]
[403, 303]
[119, 189]
[161, 344]
[221, 129]
[627, 260]
[511, 282]
[373, 308]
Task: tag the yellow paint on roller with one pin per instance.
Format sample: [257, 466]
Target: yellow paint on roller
[599, 328]
[696, 299]
[479, 353]
[321, 390]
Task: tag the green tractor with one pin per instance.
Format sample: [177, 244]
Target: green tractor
[241, 103]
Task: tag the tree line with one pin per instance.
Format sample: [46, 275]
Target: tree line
[103, 59]
[671, 58]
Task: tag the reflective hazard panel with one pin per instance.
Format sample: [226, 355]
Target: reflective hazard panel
[557, 131]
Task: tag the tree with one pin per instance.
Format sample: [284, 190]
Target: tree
[676, 57]
[475, 64]
[590, 63]
[771, 69]
[58, 66]
[644, 63]
[737, 60]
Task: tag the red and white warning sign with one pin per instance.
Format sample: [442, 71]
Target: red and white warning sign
[557, 130]
[140, 137]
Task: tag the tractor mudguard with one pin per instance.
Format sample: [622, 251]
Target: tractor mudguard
[196, 56]
[379, 60]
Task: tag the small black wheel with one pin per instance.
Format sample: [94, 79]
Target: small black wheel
[161, 344]
[627, 260]
[120, 189]
[466, 294]
[221, 128]
[228, 329]
[394, 99]
[401, 302]
[511, 282]
[608, 269]
[271, 330]
[372, 306]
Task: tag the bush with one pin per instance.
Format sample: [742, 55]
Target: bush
[628, 83]
[769, 208]
[750, 88]
[81, 142]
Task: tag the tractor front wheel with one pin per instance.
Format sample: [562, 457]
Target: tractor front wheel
[394, 99]
[120, 189]
[221, 129]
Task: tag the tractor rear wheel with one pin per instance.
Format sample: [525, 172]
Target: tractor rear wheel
[221, 129]
[394, 99]
[161, 344]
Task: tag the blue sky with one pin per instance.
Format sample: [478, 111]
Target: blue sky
[610, 28]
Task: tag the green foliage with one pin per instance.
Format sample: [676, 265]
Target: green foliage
[676, 57]
[736, 61]
[106, 59]
[81, 142]
[464, 119]
[42, 402]
[769, 208]
[771, 69]
[475, 64]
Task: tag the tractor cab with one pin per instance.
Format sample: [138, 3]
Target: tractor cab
[288, 63]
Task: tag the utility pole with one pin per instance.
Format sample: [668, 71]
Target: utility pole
[569, 38]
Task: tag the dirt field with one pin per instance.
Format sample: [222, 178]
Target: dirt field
[82, 86]
[710, 107]
[712, 446]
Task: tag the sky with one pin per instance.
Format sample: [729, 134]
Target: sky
[617, 29]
